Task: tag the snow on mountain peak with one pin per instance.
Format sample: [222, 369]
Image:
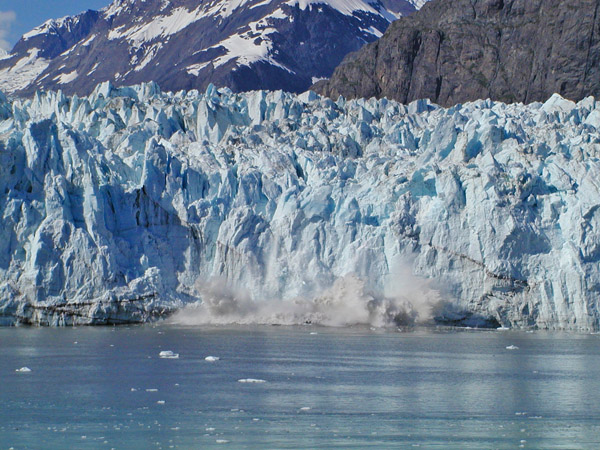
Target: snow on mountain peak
[186, 44]
[347, 7]
[161, 26]
[47, 27]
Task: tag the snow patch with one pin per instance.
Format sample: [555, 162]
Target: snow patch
[161, 26]
[195, 69]
[346, 7]
[67, 77]
[23, 72]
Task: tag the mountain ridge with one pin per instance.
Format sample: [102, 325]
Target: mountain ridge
[186, 44]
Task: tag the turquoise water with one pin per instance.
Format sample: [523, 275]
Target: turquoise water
[103, 388]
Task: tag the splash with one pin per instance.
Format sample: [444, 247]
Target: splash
[406, 300]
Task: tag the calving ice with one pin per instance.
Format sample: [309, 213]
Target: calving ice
[131, 203]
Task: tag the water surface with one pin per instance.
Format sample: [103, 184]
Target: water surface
[324, 388]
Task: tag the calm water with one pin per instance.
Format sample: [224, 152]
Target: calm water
[96, 388]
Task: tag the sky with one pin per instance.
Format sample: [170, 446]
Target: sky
[17, 17]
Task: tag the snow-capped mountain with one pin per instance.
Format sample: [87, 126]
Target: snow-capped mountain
[130, 203]
[186, 44]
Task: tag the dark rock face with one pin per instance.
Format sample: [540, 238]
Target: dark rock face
[188, 44]
[453, 51]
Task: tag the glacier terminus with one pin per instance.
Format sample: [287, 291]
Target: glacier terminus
[131, 203]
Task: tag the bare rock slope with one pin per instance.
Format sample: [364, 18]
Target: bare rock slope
[454, 51]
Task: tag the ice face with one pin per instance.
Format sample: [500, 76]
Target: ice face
[130, 203]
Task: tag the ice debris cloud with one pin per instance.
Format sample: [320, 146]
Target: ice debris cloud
[131, 203]
[347, 302]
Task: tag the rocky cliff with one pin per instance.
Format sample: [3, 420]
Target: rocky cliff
[454, 51]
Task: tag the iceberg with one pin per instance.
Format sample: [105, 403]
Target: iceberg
[131, 204]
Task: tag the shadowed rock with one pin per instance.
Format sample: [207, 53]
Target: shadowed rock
[455, 51]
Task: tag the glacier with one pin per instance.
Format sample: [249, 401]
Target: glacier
[132, 204]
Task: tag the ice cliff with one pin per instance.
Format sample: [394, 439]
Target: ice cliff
[127, 204]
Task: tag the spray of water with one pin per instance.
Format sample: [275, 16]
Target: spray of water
[406, 300]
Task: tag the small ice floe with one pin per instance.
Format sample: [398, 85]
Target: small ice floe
[512, 347]
[133, 390]
[212, 358]
[305, 408]
[313, 333]
[210, 429]
[251, 380]
[152, 390]
[168, 354]
[503, 328]
[160, 402]
[23, 370]
[222, 441]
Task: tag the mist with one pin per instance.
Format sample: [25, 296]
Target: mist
[405, 300]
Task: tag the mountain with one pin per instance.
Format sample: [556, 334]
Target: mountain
[267, 206]
[187, 44]
[454, 51]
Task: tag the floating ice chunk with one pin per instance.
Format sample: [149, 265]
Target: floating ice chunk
[133, 390]
[168, 354]
[160, 402]
[212, 358]
[222, 441]
[251, 380]
[305, 408]
[503, 328]
[512, 347]
[23, 370]
[313, 333]
[151, 390]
